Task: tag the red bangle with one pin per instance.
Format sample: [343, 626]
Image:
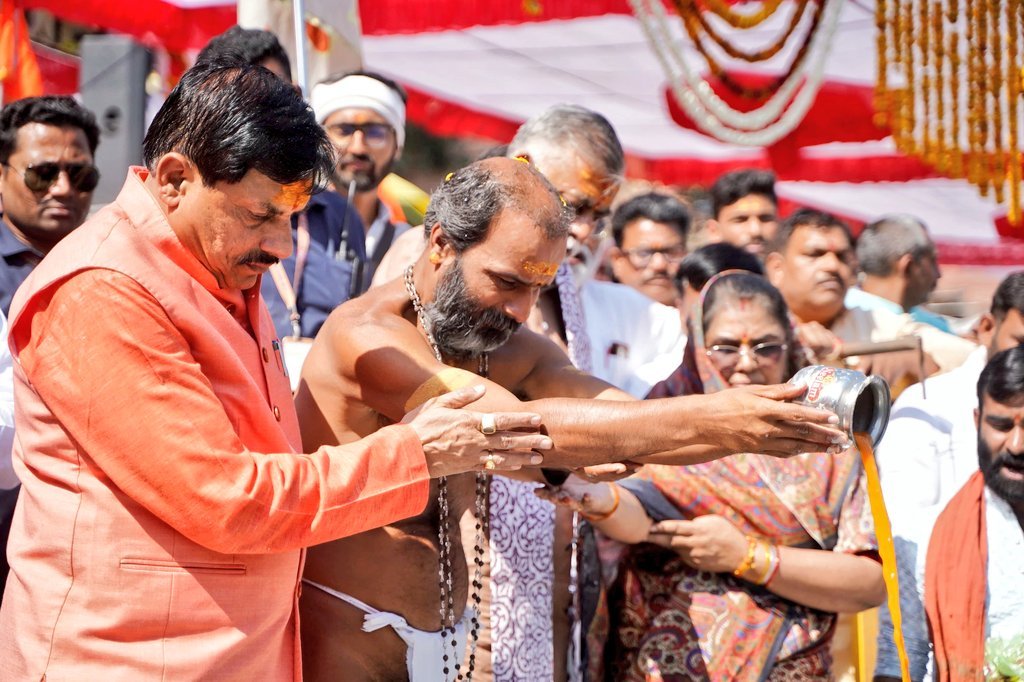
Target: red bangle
[604, 516]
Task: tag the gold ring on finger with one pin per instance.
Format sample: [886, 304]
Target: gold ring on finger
[487, 424]
[490, 461]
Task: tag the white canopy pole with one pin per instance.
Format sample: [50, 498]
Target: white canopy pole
[298, 16]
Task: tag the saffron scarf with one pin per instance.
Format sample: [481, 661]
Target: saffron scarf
[955, 584]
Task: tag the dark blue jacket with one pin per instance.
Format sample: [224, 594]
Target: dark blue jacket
[327, 278]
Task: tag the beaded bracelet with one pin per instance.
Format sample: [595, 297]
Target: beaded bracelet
[604, 516]
[748, 561]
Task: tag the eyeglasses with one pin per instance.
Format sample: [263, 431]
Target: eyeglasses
[375, 135]
[40, 177]
[641, 258]
[585, 210]
[764, 354]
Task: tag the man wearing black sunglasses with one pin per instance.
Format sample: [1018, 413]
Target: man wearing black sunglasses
[46, 181]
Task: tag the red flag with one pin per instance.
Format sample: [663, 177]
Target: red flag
[19, 71]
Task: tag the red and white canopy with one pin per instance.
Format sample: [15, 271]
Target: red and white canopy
[481, 67]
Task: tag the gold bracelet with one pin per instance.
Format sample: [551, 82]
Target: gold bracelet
[763, 578]
[604, 516]
[748, 561]
[771, 558]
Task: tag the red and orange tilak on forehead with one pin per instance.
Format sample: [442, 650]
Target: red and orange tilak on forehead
[293, 196]
[599, 187]
[546, 269]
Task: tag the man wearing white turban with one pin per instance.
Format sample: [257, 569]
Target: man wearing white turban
[364, 115]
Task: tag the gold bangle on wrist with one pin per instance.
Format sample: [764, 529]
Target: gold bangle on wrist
[771, 564]
[748, 561]
[604, 516]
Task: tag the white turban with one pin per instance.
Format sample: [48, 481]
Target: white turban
[360, 92]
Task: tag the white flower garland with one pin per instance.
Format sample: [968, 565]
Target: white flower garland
[768, 112]
[763, 126]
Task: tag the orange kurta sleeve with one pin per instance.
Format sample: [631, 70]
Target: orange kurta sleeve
[119, 378]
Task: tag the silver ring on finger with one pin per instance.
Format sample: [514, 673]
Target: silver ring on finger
[487, 424]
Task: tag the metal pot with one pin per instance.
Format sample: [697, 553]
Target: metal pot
[861, 402]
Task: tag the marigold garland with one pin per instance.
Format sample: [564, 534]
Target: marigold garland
[949, 87]
[744, 21]
[696, 27]
[692, 15]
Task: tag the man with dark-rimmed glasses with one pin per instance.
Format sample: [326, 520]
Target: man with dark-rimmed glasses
[650, 242]
[47, 178]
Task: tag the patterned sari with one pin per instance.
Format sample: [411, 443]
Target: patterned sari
[668, 621]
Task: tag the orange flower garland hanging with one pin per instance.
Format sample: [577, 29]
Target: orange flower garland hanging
[949, 88]
[696, 24]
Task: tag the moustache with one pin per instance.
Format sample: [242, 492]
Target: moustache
[257, 258]
[497, 321]
[349, 158]
[1010, 461]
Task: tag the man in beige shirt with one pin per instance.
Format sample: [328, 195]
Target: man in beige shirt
[812, 262]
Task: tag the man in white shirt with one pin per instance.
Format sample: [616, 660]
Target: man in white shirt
[650, 232]
[971, 574]
[928, 452]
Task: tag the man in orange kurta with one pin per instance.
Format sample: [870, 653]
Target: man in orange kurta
[164, 509]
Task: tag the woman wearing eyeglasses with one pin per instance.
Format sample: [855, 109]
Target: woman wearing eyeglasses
[738, 566]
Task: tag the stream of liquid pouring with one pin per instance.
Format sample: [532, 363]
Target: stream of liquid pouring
[883, 531]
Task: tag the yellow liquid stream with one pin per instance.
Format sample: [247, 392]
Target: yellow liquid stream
[883, 531]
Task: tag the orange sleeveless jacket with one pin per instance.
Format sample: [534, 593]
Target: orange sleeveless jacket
[155, 539]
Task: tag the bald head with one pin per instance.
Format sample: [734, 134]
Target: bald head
[467, 202]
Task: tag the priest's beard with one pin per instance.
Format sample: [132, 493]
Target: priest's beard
[461, 327]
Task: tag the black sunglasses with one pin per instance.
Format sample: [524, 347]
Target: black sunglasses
[40, 177]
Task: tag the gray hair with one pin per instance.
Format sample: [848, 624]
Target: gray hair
[584, 131]
[888, 239]
[468, 201]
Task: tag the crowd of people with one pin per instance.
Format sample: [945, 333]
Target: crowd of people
[254, 425]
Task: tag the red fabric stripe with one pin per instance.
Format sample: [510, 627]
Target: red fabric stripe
[179, 29]
[841, 112]
[384, 17]
[59, 71]
[447, 118]
[152, 22]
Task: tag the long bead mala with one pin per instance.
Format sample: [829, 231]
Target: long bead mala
[444, 568]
